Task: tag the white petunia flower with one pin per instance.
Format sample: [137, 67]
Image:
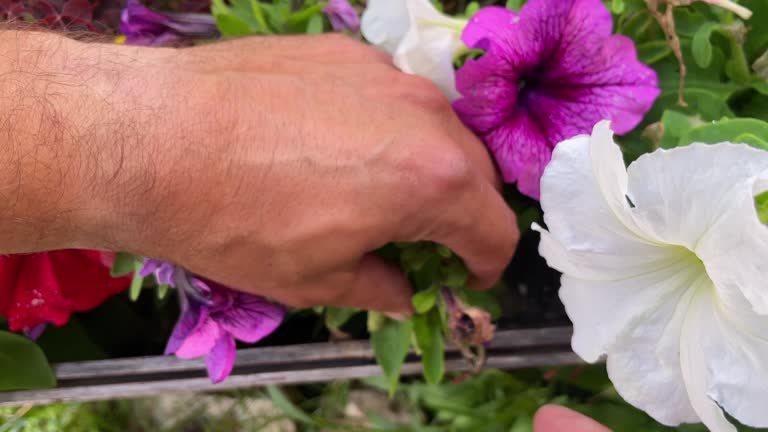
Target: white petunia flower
[421, 40]
[665, 271]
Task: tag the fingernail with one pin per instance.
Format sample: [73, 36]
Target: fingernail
[398, 316]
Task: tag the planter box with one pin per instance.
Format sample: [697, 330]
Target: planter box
[295, 364]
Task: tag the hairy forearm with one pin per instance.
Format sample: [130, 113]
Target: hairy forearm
[69, 116]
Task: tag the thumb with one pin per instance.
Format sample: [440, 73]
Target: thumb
[553, 418]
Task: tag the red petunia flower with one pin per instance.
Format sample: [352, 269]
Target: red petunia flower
[47, 287]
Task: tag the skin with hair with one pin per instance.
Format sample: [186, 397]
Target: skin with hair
[274, 165]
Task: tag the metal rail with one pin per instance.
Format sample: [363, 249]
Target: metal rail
[296, 364]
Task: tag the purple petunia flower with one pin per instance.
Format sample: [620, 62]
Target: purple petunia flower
[143, 26]
[163, 270]
[342, 15]
[212, 317]
[35, 332]
[549, 73]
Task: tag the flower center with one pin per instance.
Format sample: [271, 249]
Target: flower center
[526, 87]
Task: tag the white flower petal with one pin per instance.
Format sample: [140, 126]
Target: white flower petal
[645, 365]
[606, 313]
[726, 347]
[421, 40]
[593, 235]
[695, 338]
[385, 22]
[702, 197]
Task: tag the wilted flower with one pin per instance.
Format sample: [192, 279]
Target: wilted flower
[342, 15]
[468, 325]
[548, 73]
[421, 40]
[664, 268]
[212, 317]
[143, 26]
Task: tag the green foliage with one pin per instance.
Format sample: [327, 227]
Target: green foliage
[427, 329]
[24, 360]
[424, 301]
[390, 344]
[515, 5]
[761, 205]
[738, 130]
[254, 17]
[701, 45]
[337, 317]
[123, 265]
[282, 402]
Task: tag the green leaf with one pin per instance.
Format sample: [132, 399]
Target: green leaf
[761, 205]
[483, 300]
[23, 365]
[390, 345]
[429, 339]
[472, 9]
[162, 291]
[701, 45]
[454, 274]
[761, 86]
[423, 301]
[514, 5]
[653, 51]
[444, 252]
[737, 130]
[123, 264]
[523, 424]
[675, 125]
[258, 14]
[375, 321]
[303, 16]
[337, 317]
[315, 25]
[757, 38]
[286, 406]
[617, 6]
[136, 284]
[230, 25]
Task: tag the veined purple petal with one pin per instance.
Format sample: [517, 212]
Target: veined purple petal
[250, 318]
[523, 163]
[221, 359]
[163, 270]
[143, 26]
[488, 23]
[342, 15]
[201, 339]
[549, 73]
[192, 315]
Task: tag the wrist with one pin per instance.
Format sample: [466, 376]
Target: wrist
[74, 140]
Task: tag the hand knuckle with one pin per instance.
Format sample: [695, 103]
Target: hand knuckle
[424, 93]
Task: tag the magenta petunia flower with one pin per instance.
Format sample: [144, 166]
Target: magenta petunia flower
[212, 317]
[143, 26]
[342, 15]
[549, 73]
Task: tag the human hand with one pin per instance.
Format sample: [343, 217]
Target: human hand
[553, 418]
[277, 165]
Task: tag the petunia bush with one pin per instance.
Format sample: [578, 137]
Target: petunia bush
[632, 136]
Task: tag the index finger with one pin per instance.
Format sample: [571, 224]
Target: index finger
[482, 229]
